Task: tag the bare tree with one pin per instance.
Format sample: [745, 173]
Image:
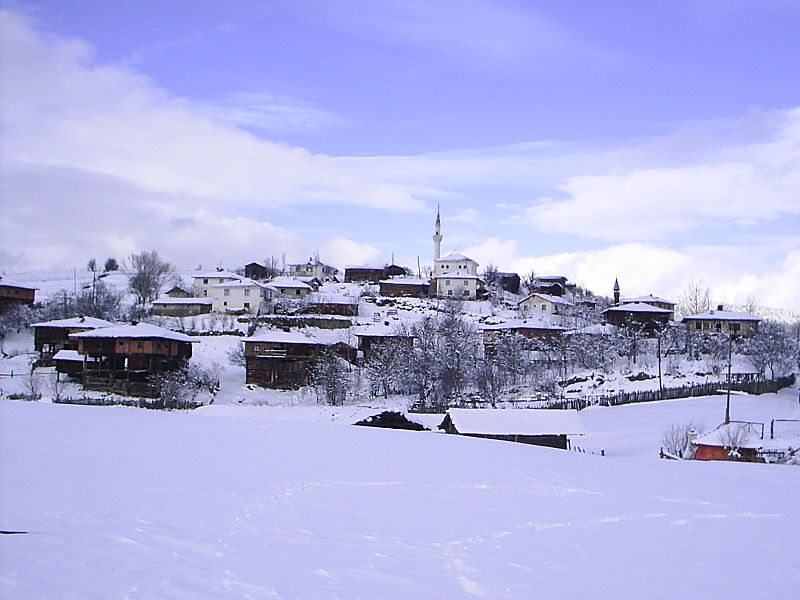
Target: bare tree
[695, 298]
[675, 438]
[147, 274]
[330, 378]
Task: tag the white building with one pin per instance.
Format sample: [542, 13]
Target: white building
[241, 295]
[204, 281]
[454, 275]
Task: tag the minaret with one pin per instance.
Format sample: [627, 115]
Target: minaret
[437, 236]
[616, 292]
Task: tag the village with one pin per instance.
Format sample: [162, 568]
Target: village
[447, 349]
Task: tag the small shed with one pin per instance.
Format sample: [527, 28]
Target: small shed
[539, 427]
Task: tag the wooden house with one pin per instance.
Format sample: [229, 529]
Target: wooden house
[122, 359]
[178, 292]
[365, 273]
[405, 286]
[51, 336]
[256, 270]
[509, 282]
[331, 304]
[181, 307]
[14, 294]
[539, 427]
[279, 359]
[639, 315]
[381, 335]
[723, 321]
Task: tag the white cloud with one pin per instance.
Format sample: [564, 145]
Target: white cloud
[62, 110]
[739, 186]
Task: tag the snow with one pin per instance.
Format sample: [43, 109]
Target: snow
[516, 422]
[76, 322]
[140, 330]
[68, 355]
[282, 337]
[722, 315]
[637, 307]
[129, 503]
[183, 301]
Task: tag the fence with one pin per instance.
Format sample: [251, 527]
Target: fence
[688, 391]
[156, 404]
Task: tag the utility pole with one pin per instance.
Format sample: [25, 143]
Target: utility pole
[728, 399]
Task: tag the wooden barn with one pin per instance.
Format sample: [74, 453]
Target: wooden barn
[181, 306]
[331, 304]
[539, 427]
[15, 294]
[279, 359]
[367, 273]
[122, 359]
[638, 314]
[405, 286]
[51, 336]
[381, 335]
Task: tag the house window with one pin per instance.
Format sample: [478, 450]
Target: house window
[226, 292]
[247, 291]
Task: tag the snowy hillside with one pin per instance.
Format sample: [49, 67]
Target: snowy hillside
[127, 503]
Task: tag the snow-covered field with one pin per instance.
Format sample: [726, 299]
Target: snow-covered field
[261, 502]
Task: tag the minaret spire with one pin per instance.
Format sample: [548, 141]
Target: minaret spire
[437, 236]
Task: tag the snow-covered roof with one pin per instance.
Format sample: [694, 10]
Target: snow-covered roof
[11, 283]
[76, 323]
[217, 274]
[289, 282]
[182, 301]
[379, 330]
[596, 329]
[403, 280]
[746, 435]
[637, 307]
[722, 315]
[491, 421]
[242, 282]
[454, 257]
[549, 298]
[281, 337]
[140, 330]
[646, 299]
[365, 267]
[543, 321]
[71, 355]
[322, 298]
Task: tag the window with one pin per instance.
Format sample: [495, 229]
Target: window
[226, 292]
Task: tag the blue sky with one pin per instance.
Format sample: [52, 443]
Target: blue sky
[655, 141]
